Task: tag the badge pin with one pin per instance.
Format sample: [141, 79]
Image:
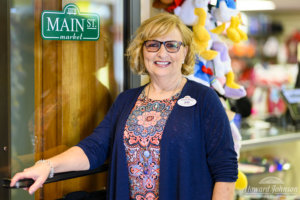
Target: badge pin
[187, 101]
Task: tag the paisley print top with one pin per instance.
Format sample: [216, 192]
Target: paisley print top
[142, 135]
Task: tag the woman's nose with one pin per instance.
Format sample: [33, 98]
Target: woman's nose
[162, 51]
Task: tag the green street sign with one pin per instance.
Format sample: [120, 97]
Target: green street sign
[70, 24]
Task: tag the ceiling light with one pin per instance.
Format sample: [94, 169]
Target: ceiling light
[253, 5]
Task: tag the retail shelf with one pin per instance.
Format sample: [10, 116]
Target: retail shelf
[271, 140]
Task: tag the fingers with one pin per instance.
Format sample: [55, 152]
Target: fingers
[37, 184]
[19, 176]
[39, 173]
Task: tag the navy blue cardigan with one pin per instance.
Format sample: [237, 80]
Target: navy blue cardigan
[196, 147]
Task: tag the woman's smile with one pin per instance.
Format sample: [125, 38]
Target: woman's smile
[162, 63]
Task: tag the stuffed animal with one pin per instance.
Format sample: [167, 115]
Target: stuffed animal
[234, 33]
[204, 74]
[201, 36]
[184, 11]
[168, 5]
[226, 11]
[222, 67]
[214, 56]
[242, 181]
[185, 14]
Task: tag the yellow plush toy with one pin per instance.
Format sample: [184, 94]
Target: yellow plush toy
[226, 11]
[242, 181]
[234, 33]
[202, 37]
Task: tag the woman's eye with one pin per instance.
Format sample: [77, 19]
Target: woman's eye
[153, 45]
[172, 45]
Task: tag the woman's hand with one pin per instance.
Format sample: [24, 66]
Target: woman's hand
[38, 172]
[74, 159]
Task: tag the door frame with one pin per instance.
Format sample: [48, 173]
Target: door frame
[5, 94]
[132, 20]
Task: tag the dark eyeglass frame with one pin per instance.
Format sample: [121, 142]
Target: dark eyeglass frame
[164, 43]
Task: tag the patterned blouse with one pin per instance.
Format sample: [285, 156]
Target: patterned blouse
[142, 135]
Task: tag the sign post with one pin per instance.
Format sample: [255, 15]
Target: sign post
[70, 24]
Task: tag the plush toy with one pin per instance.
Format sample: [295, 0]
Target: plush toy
[201, 36]
[226, 11]
[213, 56]
[204, 74]
[222, 67]
[184, 11]
[168, 5]
[234, 33]
[242, 181]
[185, 14]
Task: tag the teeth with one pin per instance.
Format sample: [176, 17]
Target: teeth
[161, 63]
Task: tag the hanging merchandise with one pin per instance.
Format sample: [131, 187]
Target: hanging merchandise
[264, 164]
[271, 47]
[213, 51]
[222, 67]
[291, 45]
[276, 105]
[202, 37]
[224, 12]
[167, 5]
[204, 75]
[185, 11]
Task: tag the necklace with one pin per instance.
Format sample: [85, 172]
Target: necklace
[146, 153]
[173, 92]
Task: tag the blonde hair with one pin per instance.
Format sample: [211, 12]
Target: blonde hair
[157, 26]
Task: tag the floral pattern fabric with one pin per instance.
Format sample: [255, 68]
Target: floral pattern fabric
[142, 135]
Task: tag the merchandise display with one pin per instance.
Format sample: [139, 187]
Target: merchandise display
[263, 164]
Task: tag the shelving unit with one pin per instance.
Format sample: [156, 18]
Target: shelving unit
[271, 140]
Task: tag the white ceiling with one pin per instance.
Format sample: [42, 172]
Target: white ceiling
[286, 5]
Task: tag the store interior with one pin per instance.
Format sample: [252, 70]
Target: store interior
[266, 65]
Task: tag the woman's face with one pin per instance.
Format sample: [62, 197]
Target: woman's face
[163, 63]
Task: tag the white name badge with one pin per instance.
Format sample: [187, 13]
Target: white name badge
[187, 101]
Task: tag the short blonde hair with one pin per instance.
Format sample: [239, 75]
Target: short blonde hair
[157, 26]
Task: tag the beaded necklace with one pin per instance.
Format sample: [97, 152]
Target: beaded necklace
[146, 151]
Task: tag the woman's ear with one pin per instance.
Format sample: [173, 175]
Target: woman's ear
[186, 49]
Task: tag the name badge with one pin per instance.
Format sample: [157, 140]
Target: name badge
[187, 101]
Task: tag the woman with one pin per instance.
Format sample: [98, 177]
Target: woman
[167, 140]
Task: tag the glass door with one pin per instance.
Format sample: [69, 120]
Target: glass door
[58, 90]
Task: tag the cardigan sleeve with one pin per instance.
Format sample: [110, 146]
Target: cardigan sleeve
[97, 145]
[221, 156]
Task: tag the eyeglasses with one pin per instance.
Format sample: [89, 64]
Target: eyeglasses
[171, 46]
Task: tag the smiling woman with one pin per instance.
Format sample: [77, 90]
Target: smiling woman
[169, 139]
